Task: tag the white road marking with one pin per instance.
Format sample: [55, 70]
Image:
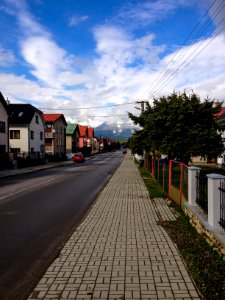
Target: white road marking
[27, 188]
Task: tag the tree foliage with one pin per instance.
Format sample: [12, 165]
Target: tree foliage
[179, 126]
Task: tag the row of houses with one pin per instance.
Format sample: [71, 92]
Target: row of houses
[25, 131]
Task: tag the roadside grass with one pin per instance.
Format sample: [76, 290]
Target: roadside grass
[154, 188]
[205, 265]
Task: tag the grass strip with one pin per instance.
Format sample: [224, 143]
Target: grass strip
[205, 265]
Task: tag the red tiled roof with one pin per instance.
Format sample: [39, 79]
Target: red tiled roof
[52, 117]
[90, 132]
[222, 111]
[83, 130]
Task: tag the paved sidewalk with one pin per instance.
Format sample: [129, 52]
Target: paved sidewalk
[119, 251]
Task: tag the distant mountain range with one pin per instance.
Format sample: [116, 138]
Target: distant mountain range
[113, 131]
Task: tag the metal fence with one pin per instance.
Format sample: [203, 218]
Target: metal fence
[161, 172]
[222, 204]
[202, 191]
[172, 175]
[178, 182]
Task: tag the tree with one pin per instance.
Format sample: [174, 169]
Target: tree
[180, 126]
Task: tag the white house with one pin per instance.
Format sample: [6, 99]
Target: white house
[26, 130]
[4, 133]
[3, 125]
[221, 120]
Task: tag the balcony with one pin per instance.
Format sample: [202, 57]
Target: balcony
[49, 135]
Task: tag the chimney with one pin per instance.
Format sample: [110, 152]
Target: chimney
[218, 104]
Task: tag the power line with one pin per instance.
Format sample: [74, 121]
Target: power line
[79, 108]
[185, 63]
[178, 64]
[162, 77]
[107, 116]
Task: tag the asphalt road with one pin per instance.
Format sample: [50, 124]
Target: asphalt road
[38, 213]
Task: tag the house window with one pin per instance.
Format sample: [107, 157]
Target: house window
[32, 150]
[59, 143]
[37, 119]
[15, 150]
[2, 148]
[32, 134]
[41, 135]
[61, 130]
[14, 134]
[48, 142]
[2, 127]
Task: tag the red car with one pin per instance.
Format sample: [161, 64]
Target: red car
[78, 157]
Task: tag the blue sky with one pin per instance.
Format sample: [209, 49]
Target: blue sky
[65, 56]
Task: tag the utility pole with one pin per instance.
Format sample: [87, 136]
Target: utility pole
[142, 110]
[142, 105]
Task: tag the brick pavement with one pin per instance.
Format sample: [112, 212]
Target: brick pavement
[119, 251]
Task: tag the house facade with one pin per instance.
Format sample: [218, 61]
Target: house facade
[55, 134]
[72, 138]
[26, 130]
[221, 120]
[86, 139]
[4, 128]
[4, 133]
[83, 135]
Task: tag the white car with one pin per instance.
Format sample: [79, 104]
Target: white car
[69, 155]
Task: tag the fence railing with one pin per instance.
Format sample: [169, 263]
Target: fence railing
[161, 172]
[208, 192]
[202, 190]
[172, 175]
[222, 204]
[183, 183]
[178, 182]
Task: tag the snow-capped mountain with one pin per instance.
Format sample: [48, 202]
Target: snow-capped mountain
[113, 131]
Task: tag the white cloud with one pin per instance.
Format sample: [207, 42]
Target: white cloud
[45, 58]
[6, 57]
[121, 48]
[22, 89]
[75, 20]
[27, 25]
[121, 55]
[182, 72]
[147, 11]
[123, 69]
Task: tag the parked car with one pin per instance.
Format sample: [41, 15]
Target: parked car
[69, 156]
[78, 157]
[124, 151]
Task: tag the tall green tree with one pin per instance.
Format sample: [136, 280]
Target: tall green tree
[180, 126]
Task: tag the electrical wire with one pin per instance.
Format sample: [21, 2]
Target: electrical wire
[162, 77]
[91, 107]
[186, 63]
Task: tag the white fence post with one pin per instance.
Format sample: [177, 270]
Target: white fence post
[214, 181]
[193, 173]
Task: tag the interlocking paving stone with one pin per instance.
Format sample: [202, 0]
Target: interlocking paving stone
[119, 251]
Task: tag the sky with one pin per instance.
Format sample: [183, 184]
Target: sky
[95, 60]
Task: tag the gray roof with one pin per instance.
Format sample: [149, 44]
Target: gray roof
[22, 113]
[4, 103]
